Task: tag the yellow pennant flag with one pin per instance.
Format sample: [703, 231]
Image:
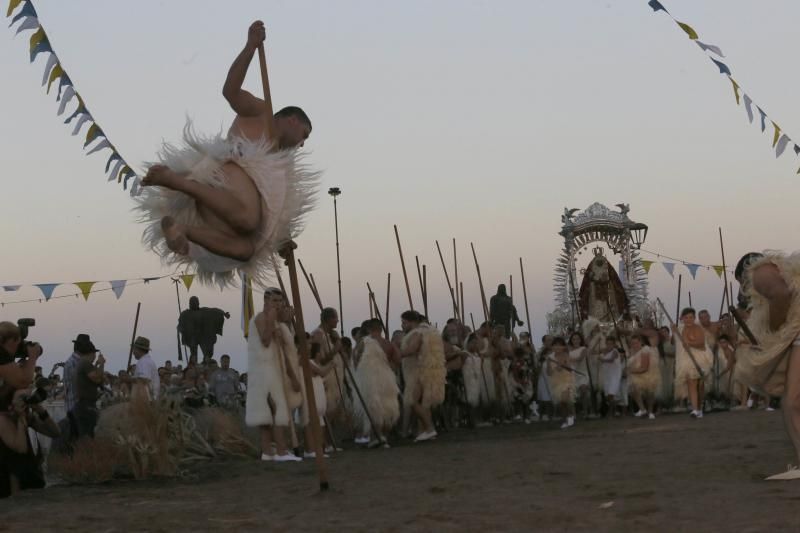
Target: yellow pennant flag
[85, 287]
[646, 265]
[54, 75]
[12, 5]
[777, 133]
[37, 37]
[187, 280]
[718, 269]
[735, 89]
[688, 29]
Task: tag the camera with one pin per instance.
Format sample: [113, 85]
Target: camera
[24, 325]
[38, 394]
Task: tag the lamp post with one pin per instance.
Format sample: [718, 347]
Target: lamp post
[336, 191]
[638, 234]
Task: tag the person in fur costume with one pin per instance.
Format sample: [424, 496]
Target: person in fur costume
[644, 375]
[229, 204]
[273, 382]
[378, 385]
[771, 284]
[474, 378]
[688, 378]
[562, 381]
[326, 347]
[424, 370]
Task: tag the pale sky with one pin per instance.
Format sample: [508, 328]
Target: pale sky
[478, 121]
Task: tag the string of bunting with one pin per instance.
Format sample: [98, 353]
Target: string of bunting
[669, 266]
[780, 140]
[88, 287]
[95, 139]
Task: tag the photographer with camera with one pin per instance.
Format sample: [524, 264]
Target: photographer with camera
[12, 375]
[21, 462]
[89, 379]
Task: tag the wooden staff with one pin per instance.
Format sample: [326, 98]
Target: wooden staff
[447, 277]
[680, 338]
[311, 284]
[743, 324]
[371, 310]
[722, 303]
[403, 264]
[378, 311]
[690, 299]
[388, 292]
[300, 329]
[422, 287]
[472, 319]
[678, 305]
[425, 284]
[480, 284]
[461, 301]
[724, 268]
[133, 337]
[455, 278]
[527, 311]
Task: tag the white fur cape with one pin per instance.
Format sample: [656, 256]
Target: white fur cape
[763, 368]
[266, 380]
[286, 185]
[426, 372]
[378, 385]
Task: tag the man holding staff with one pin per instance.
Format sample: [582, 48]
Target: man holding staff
[231, 203]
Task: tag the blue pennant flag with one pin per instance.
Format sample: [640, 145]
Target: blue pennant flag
[113, 157]
[693, 269]
[47, 289]
[763, 118]
[11, 288]
[26, 11]
[656, 5]
[723, 68]
[64, 81]
[43, 46]
[670, 268]
[796, 150]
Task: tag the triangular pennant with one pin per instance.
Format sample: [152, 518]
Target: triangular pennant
[99, 146]
[777, 133]
[30, 23]
[51, 62]
[12, 5]
[656, 5]
[187, 280]
[124, 171]
[670, 268]
[11, 288]
[718, 269]
[81, 109]
[115, 171]
[127, 174]
[710, 48]
[723, 68]
[693, 269]
[65, 81]
[113, 157]
[782, 142]
[54, 75]
[85, 287]
[43, 46]
[747, 105]
[69, 93]
[735, 89]
[763, 118]
[118, 287]
[688, 29]
[135, 187]
[26, 11]
[796, 150]
[93, 133]
[47, 289]
[646, 265]
[82, 119]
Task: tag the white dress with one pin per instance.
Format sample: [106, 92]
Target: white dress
[611, 373]
[579, 364]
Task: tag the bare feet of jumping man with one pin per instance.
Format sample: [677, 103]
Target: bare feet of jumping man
[160, 175]
[175, 235]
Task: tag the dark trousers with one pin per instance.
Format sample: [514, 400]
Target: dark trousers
[84, 419]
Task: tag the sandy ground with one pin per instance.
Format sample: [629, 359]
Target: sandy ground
[670, 474]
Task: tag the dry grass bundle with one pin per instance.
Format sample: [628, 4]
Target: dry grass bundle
[93, 461]
[223, 431]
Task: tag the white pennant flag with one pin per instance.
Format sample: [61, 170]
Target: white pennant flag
[99, 146]
[51, 62]
[81, 121]
[115, 170]
[782, 142]
[710, 48]
[118, 286]
[135, 187]
[69, 92]
[30, 23]
[748, 106]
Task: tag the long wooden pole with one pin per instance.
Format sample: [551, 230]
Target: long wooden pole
[461, 304]
[455, 279]
[447, 278]
[378, 311]
[180, 310]
[133, 337]
[310, 284]
[422, 287]
[425, 284]
[480, 284]
[724, 268]
[269, 117]
[388, 292]
[403, 264]
[678, 305]
[690, 299]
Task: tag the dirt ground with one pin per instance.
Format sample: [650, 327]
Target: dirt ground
[670, 474]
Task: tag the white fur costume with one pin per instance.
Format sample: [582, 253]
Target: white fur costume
[378, 385]
[685, 369]
[425, 372]
[266, 380]
[473, 381]
[649, 381]
[287, 188]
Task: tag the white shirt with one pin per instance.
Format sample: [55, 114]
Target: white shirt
[146, 368]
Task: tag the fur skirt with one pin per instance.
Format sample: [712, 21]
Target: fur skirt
[265, 382]
[473, 382]
[649, 381]
[286, 185]
[378, 385]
